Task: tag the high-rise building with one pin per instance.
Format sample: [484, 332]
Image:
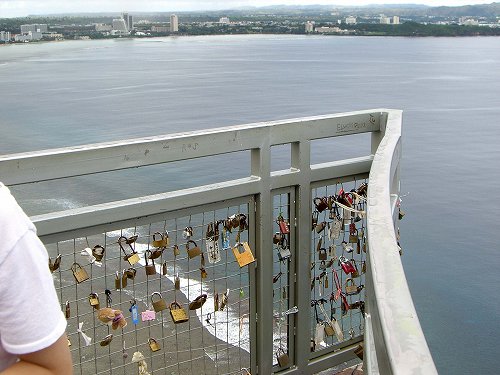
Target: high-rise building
[395, 20]
[4, 36]
[309, 26]
[174, 23]
[119, 25]
[129, 21]
[384, 19]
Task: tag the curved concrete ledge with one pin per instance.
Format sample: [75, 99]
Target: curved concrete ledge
[397, 344]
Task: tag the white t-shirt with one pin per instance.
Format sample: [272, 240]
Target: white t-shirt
[31, 318]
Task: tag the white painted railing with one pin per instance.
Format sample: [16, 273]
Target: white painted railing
[394, 342]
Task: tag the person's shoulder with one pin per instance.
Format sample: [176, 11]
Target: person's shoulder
[14, 223]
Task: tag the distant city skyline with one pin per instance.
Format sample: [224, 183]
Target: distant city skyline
[16, 8]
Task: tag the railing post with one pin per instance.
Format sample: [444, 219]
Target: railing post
[301, 156]
[261, 166]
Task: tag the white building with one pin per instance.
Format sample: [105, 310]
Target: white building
[468, 21]
[119, 26]
[309, 26]
[328, 30]
[395, 20]
[28, 37]
[4, 36]
[102, 27]
[385, 20]
[224, 20]
[350, 20]
[174, 23]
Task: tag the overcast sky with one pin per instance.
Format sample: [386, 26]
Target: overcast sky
[21, 8]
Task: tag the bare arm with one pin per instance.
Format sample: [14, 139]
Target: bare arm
[53, 360]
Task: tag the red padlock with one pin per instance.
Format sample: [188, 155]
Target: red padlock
[346, 265]
[284, 227]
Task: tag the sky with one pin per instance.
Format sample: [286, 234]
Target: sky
[22, 8]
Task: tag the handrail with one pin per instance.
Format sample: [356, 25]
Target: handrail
[396, 341]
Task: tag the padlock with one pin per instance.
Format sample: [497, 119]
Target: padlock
[203, 273]
[67, 310]
[321, 204]
[322, 255]
[363, 267]
[326, 282]
[177, 282]
[192, 251]
[198, 302]
[244, 258]
[332, 251]
[54, 266]
[282, 357]
[133, 257]
[362, 189]
[315, 216]
[347, 247]
[284, 253]
[334, 229]
[283, 225]
[178, 313]
[358, 247]
[148, 315]
[98, 252]
[322, 265]
[278, 238]
[118, 280]
[243, 225]
[156, 253]
[187, 233]
[164, 268]
[159, 304]
[350, 287]
[124, 279]
[176, 250]
[216, 302]
[159, 240]
[320, 227]
[353, 238]
[94, 300]
[329, 331]
[401, 214]
[150, 268]
[153, 345]
[131, 272]
[346, 265]
[79, 273]
[354, 274]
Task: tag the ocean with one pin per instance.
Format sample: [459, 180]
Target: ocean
[78, 92]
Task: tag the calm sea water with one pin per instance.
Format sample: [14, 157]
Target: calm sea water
[69, 93]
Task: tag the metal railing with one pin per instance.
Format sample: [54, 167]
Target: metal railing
[260, 328]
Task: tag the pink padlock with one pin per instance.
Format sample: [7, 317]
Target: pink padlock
[148, 315]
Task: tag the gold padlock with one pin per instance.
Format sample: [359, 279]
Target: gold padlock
[244, 258]
[204, 273]
[124, 279]
[150, 268]
[350, 286]
[192, 251]
[118, 281]
[159, 240]
[131, 272]
[54, 266]
[282, 357]
[153, 345]
[79, 273]
[160, 304]
[353, 237]
[176, 250]
[329, 331]
[322, 254]
[133, 257]
[178, 313]
[94, 300]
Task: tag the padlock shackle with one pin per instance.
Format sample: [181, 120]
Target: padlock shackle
[157, 293]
